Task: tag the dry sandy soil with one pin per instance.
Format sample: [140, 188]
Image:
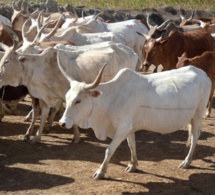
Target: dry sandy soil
[57, 166]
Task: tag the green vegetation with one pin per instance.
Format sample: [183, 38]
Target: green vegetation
[135, 4]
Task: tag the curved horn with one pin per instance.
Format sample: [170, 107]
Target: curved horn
[76, 15]
[22, 9]
[82, 14]
[4, 47]
[164, 24]
[148, 23]
[14, 37]
[39, 20]
[181, 15]
[143, 35]
[56, 27]
[96, 16]
[68, 77]
[158, 39]
[37, 37]
[28, 12]
[58, 9]
[24, 37]
[96, 82]
[13, 6]
[191, 17]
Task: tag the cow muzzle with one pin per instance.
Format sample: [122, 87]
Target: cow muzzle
[66, 122]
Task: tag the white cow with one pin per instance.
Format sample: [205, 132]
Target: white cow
[69, 22]
[127, 28]
[162, 102]
[77, 38]
[41, 75]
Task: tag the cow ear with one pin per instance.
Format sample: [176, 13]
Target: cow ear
[95, 93]
[21, 58]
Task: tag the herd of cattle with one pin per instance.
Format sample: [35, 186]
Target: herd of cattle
[98, 69]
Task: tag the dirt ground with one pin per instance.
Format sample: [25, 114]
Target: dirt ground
[57, 166]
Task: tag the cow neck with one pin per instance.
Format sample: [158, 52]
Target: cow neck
[26, 76]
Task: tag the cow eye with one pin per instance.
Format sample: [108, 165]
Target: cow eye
[77, 101]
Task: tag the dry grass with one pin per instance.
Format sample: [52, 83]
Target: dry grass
[135, 4]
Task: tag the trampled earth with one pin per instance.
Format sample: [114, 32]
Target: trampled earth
[57, 166]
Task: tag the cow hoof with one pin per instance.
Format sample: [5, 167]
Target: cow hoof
[35, 140]
[184, 165]
[26, 138]
[75, 141]
[26, 120]
[207, 114]
[98, 175]
[130, 168]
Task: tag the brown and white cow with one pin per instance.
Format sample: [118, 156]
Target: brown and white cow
[206, 62]
[167, 50]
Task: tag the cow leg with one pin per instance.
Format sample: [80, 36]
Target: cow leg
[43, 118]
[156, 69]
[35, 112]
[52, 115]
[121, 133]
[76, 137]
[189, 135]
[208, 113]
[132, 145]
[1, 111]
[28, 116]
[195, 133]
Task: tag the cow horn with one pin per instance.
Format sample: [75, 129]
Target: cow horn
[13, 6]
[148, 23]
[192, 15]
[37, 37]
[76, 15]
[58, 9]
[68, 77]
[181, 15]
[39, 20]
[144, 35]
[22, 9]
[96, 82]
[55, 27]
[82, 14]
[13, 36]
[24, 37]
[159, 38]
[4, 47]
[96, 16]
[164, 24]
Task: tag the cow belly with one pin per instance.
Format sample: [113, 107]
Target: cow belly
[163, 120]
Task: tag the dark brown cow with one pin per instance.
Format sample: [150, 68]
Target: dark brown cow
[5, 37]
[167, 50]
[8, 95]
[206, 62]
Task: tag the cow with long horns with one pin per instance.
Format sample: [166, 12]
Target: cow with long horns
[162, 103]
